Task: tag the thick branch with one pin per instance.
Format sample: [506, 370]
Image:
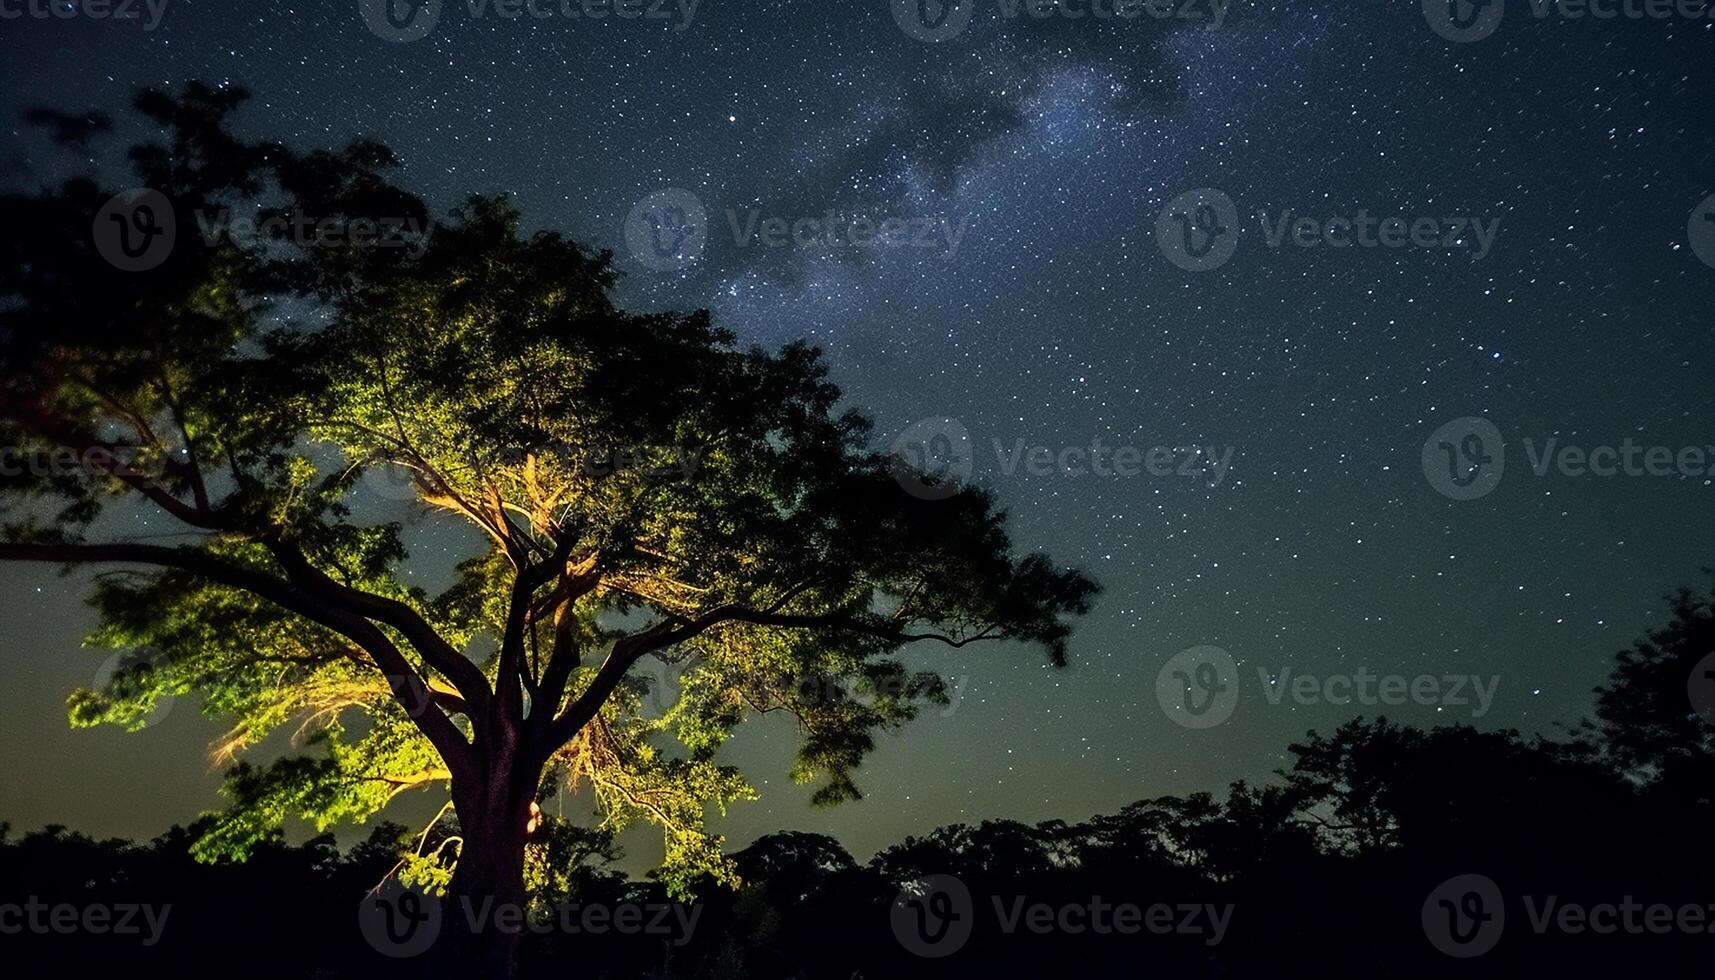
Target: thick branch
[628, 650]
[563, 657]
[467, 677]
[407, 687]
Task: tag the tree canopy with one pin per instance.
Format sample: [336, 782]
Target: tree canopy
[638, 484]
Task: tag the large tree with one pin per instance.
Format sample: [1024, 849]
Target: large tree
[198, 436]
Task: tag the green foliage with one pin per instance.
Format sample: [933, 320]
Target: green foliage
[640, 485]
[633, 779]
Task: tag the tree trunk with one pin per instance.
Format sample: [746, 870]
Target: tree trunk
[482, 926]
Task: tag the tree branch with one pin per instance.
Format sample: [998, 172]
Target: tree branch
[467, 677]
[628, 650]
[407, 687]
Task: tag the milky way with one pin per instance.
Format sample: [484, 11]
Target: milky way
[1057, 319]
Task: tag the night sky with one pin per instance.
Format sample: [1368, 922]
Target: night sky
[1059, 319]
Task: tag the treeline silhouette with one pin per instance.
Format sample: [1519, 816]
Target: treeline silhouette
[1326, 870]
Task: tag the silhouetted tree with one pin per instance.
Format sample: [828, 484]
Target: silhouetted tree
[1655, 718]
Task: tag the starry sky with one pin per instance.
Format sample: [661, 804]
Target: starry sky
[1058, 319]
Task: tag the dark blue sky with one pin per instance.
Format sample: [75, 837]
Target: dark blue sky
[1054, 147]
